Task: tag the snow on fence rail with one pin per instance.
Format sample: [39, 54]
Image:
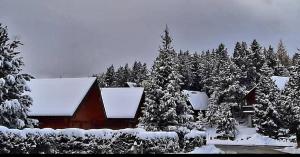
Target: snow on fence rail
[93, 141]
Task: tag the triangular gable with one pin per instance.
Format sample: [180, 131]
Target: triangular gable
[198, 100]
[280, 81]
[57, 96]
[121, 102]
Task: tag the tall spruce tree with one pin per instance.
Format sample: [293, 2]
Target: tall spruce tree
[14, 103]
[110, 77]
[225, 94]
[266, 116]
[282, 54]
[255, 61]
[165, 105]
[290, 101]
[185, 69]
[120, 78]
[296, 58]
[271, 58]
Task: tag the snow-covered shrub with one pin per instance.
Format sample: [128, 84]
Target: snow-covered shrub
[158, 142]
[194, 139]
[79, 141]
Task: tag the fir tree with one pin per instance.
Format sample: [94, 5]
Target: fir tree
[100, 79]
[255, 61]
[271, 58]
[296, 58]
[185, 69]
[110, 77]
[282, 55]
[139, 73]
[120, 78]
[266, 116]
[14, 103]
[165, 105]
[290, 101]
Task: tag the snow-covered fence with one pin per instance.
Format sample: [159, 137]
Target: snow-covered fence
[93, 141]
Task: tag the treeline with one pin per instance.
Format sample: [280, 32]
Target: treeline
[226, 79]
[119, 78]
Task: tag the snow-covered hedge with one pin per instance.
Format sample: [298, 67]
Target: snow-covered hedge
[194, 139]
[96, 141]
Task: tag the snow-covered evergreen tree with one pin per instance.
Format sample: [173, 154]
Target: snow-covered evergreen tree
[100, 79]
[290, 101]
[14, 103]
[226, 123]
[110, 77]
[226, 93]
[282, 55]
[139, 73]
[197, 72]
[296, 58]
[127, 73]
[255, 60]
[166, 106]
[120, 77]
[271, 58]
[266, 117]
[185, 69]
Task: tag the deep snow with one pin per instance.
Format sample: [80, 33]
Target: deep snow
[246, 136]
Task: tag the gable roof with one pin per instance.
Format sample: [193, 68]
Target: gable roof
[121, 102]
[131, 84]
[280, 81]
[57, 96]
[198, 100]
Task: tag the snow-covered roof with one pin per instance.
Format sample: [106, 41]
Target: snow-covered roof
[131, 84]
[198, 100]
[57, 96]
[280, 81]
[121, 102]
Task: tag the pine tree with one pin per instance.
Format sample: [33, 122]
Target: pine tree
[290, 101]
[271, 58]
[197, 72]
[282, 55]
[226, 123]
[266, 116]
[14, 103]
[255, 60]
[120, 78]
[225, 91]
[100, 79]
[139, 73]
[165, 105]
[110, 77]
[185, 69]
[127, 73]
[296, 58]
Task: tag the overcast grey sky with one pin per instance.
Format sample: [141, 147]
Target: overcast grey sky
[75, 38]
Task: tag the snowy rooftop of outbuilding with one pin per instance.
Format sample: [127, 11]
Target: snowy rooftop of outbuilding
[280, 81]
[131, 84]
[198, 100]
[121, 102]
[57, 96]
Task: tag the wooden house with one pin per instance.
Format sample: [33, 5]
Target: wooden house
[250, 97]
[79, 103]
[198, 100]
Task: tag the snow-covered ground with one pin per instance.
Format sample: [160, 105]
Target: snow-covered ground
[246, 136]
[291, 150]
[207, 149]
